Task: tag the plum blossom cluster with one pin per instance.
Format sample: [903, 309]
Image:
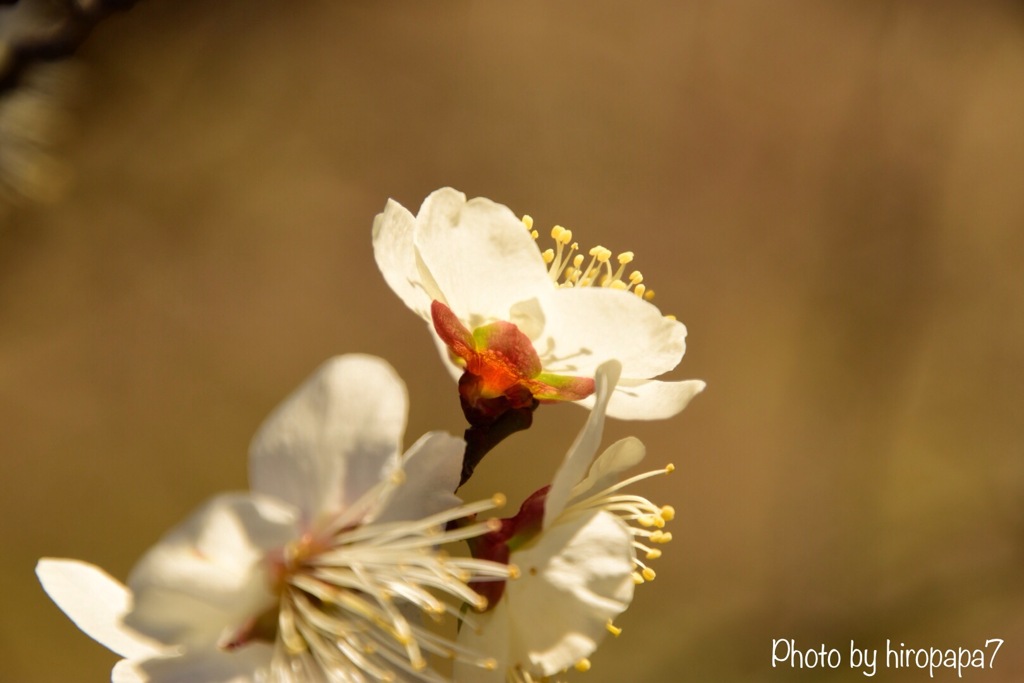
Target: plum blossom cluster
[347, 551]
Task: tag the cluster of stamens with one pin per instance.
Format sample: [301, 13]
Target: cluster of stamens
[566, 264]
[645, 520]
[345, 594]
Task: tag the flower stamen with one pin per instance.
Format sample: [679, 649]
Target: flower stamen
[565, 264]
[644, 519]
[341, 591]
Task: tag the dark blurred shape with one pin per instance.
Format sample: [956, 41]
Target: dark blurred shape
[34, 31]
[33, 120]
[36, 37]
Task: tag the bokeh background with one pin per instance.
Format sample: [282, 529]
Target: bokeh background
[829, 194]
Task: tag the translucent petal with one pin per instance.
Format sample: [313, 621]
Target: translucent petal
[491, 638]
[207, 577]
[333, 439]
[650, 399]
[248, 664]
[528, 316]
[432, 466]
[582, 451]
[586, 326]
[395, 253]
[480, 255]
[574, 579]
[128, 671]
[607, 468]
[96, 603]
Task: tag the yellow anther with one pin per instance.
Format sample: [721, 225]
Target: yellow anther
[534, 234]
[513, 571]
[659, 521]
[499, 500]
[490, 664]
[566, 266]
[649, 574]
[528, 221]
[612, 628]
[649, 294]
[646, 520]
[561, 235]
[668, 513]
[661, 537]
[653, 554]
[583, 665]
[637, 579]
[670, 468]
[670, 317]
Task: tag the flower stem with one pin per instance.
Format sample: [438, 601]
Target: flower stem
[483, 435]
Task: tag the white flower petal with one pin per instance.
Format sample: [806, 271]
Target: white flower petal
[615, 460]
[432, 467]
[248, 664]
[480, 255]
[333, 439]
[395, 253]
[96, 603]
[582, 451]
[650, 399]
[128, 671]
[208, 576]
[574, 580]
[492, 639]
[586, 326]
[528, 316]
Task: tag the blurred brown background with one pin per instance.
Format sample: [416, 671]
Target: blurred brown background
[829, 194]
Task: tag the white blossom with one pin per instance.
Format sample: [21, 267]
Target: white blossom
[468, 266]
[321, 573]
[580, 546]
